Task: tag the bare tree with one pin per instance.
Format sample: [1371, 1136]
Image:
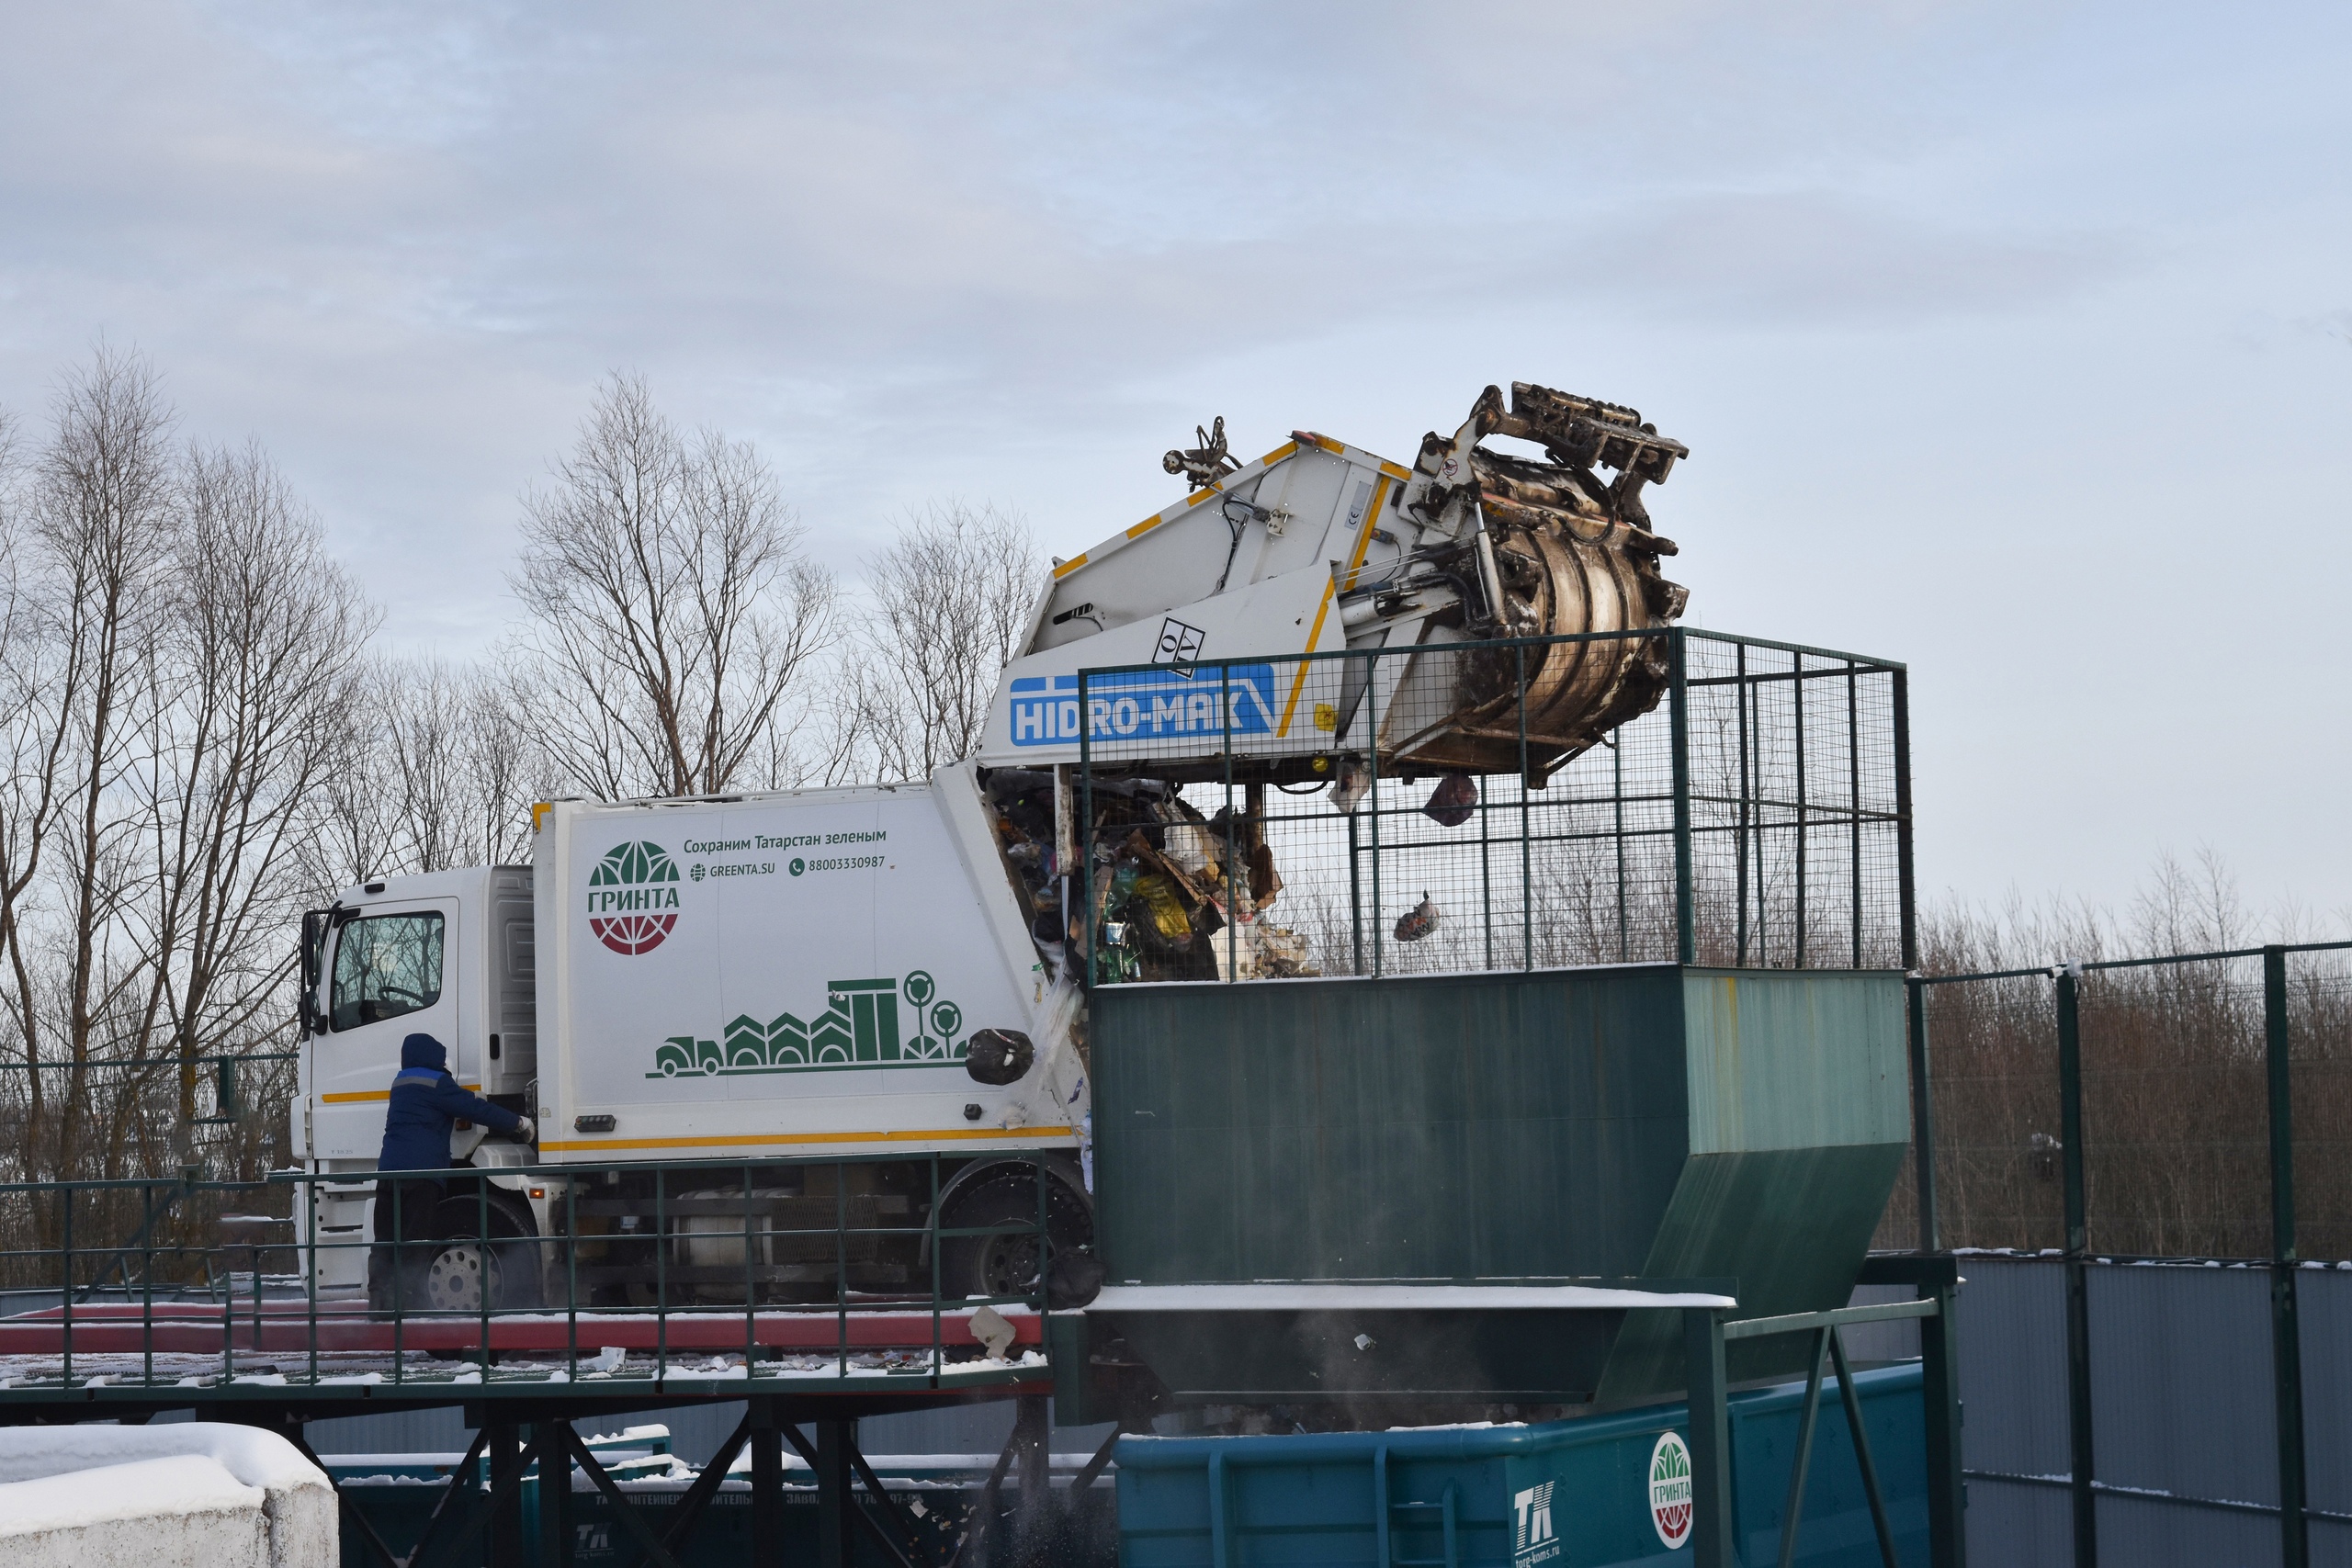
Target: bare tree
[102, 518]
[440, 771]
[259, 638]
[674, 613]
[35, 789]
[952, 595]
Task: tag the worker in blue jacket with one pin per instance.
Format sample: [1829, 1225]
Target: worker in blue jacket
[427, 1106]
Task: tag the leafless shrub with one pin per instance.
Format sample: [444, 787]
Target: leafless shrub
[2175, 1130]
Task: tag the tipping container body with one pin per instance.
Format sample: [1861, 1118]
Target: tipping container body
[1584, 1493]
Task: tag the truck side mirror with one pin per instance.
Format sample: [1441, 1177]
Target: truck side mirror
[316, 923]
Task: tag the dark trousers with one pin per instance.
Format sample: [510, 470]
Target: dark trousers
[418, 1222]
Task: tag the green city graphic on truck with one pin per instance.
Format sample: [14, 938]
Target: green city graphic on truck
[859, 1028]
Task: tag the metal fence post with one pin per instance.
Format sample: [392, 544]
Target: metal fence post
[1526, 822]
[1084, 870]
[1939, 1393]
[1232, 899]
[1739, 834]
[1796, 718]
[1372, 800]
[1854, 802]
[1686, 914]
[1906, 872]
[2078, 1326]
[1923, 1117]
[2286, 1324]
[1713, 1542]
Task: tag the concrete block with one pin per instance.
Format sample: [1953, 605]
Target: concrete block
[204, 1494]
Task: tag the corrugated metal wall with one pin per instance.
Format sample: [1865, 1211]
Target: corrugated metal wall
[2182, 1413]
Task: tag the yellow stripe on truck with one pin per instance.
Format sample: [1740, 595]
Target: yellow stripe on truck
[1364, 542]
[357, 1095]
[771, 1139]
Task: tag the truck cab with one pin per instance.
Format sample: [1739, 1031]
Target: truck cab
[449, 954]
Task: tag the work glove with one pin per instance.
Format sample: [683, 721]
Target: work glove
[527, 1130]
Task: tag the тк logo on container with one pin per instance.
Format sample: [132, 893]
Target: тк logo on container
[1534, 1539]
[633, 898]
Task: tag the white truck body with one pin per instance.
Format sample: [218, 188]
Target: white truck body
[789, 974]
[797, 973]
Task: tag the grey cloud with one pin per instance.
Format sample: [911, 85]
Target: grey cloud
[1822, 257]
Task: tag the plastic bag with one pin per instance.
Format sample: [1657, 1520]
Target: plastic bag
[1157, 893]
[1453, 801]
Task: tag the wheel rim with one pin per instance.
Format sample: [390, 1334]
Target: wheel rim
[453, 1280]
[1009, 1266]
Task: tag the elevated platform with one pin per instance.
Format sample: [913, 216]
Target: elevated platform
[305, 1356]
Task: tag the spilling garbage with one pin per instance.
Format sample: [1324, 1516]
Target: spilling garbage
[1176, 894]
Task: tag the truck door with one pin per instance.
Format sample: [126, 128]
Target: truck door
[389, 977]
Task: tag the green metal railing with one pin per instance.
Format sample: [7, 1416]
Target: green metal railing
[226, 1071]
[1757, 815]
[118, 1288]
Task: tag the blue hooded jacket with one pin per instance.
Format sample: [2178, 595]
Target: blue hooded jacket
[426, 1105]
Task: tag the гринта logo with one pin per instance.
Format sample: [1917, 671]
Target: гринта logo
[633, 898]
[1670, 1497]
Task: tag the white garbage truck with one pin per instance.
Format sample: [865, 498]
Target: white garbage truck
[678, 990]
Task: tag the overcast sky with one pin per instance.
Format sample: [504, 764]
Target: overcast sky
[2012, 341]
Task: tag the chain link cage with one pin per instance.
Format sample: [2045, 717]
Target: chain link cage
[1415, 811]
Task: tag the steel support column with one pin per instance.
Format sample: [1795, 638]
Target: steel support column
[2081, 1471]
[552, 1440]
[2286, 1324]
[834, 1440]
[1940, 1397]
[502, 1444]
[767, 1484]
[1035, 1480]
[1714, 1538]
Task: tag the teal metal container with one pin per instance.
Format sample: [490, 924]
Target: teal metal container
[1637, 1121]
[400, 1493]
[1580, 1494]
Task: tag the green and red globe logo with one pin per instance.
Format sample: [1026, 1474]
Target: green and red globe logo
[633, 898]
[1671, 1494]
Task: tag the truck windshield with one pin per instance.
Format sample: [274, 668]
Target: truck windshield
[386, 965]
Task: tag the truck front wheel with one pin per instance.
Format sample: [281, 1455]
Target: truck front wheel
[454, 1277]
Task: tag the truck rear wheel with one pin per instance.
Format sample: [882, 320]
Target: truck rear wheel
[1005, 1264]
